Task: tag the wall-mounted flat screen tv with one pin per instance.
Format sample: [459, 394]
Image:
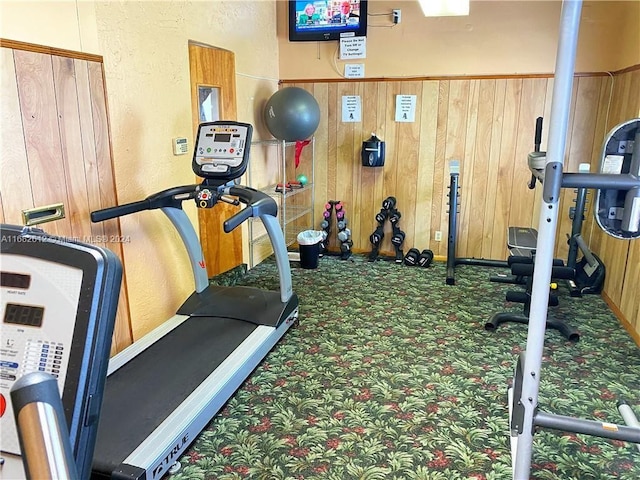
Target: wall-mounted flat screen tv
[322, 20]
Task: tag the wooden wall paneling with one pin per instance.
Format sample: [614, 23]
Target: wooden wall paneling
[391, 166]
[575, 137]
[353, 211]
[530, 107]
[455, 139]
[15, 187]
[123, 334]
[560, 248]
[502, 219]
[478, 149]
[456, 143]
[66, 101]
[344, 160]
[408, 140]
[633, 100]
[546, 115]
[612, 251]
[618, 110]
[34, 75]
[622, 278]
[365, 225]
[621, 100]
[579, 148]
[374, 109]
[89, 157]
[617, 252]
[2, 220]
[101, 140]
[426, 161]
[630, 300]
[48, 111]
[383, 132]
[487, 124]
[468, 181]
[441, 177]
[614, 255]
[332, 142]
[585, 122]
[335, 121]
[321, 93]
[592, 233]
[496, 99]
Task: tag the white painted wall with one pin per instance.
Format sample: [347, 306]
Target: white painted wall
[498, 37]
[145, 49]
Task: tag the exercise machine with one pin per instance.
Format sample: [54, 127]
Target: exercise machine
[520, 240]
[589, 272]
[522, 267]
[617, 212]
[165, 388]
[59, 301]
[585, 275]
[452, 260]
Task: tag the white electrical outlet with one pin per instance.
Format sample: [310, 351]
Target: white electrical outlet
[438, 236]
[397, 16]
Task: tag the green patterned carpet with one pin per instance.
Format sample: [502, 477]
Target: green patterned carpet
[390, 375]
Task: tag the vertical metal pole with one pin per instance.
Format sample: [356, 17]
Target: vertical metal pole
[454, 172]
[578, 220]
[559, 121]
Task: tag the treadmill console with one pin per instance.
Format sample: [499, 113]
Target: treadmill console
[58, 305]
[222, 150]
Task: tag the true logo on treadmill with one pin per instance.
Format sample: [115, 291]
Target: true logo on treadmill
[171, 457]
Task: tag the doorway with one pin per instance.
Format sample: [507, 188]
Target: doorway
[213, 97]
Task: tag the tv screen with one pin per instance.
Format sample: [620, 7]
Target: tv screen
[321, 20]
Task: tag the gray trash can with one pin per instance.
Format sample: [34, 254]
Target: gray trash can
[309, 244]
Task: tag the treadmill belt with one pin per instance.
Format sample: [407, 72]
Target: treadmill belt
[142, 393]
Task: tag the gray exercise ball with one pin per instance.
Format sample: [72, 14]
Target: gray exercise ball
[292, 114]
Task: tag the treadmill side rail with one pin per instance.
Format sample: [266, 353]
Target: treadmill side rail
[162, 448]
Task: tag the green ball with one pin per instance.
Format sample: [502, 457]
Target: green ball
[302, 179]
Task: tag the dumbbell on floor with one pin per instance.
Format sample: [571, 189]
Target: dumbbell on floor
[416, 258]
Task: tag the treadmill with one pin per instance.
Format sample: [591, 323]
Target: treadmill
[165, 388]
[58, 304]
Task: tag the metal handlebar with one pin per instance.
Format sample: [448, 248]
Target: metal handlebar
[42, 428]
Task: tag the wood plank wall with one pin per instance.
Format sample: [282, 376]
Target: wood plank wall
[622, 257]
[488, 125]
[56, 144]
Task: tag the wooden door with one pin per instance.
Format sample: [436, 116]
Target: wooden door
[213, 71]
[56, 149]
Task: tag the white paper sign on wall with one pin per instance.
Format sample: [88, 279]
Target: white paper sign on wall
[351, 108]
[353, 47]
[354, 70]
[405, 108]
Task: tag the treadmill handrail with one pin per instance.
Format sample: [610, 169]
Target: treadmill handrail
[259, 205]
[172, 197]
[266, 208]
[42, 428]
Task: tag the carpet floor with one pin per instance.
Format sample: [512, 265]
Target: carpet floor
[390, 374]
